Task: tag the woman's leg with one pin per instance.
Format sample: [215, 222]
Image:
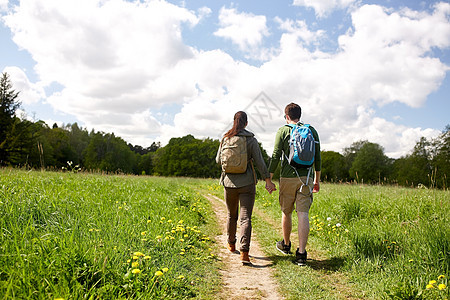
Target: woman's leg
[232, 201]
[247, 201]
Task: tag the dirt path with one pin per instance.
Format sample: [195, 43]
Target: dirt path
[243, 282]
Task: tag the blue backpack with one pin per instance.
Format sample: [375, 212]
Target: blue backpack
[302, 146]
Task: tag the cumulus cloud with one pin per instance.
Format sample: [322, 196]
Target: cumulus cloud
[324, 7]
[244, 29]
[29, 92]
[121, 62]
[3, 5]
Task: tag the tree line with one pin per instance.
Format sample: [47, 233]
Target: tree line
[28, 144]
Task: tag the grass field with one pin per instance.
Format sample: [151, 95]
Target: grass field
[82, 236]
[72, 236]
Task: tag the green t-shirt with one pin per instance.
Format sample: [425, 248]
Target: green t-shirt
[281, 148]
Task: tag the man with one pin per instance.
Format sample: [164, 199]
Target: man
[293, 188]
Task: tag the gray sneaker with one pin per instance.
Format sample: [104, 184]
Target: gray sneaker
[285, 249]
[300, 258]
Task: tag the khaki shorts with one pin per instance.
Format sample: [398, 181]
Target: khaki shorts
[290, 194]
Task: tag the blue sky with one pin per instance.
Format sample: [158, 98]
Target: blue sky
[152, 70]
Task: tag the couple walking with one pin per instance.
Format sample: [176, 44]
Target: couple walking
[295, 186]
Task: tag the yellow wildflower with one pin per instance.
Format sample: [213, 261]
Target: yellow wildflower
[432, 282]
[441, 286]
[134, 264]
[158, 273]
[136, 271]
[135, 257]
[147, 257]
[138, 253]
[163, 218]
[143, 232]
[181, 277]
[441, 277]
[149, 221]
[165, 270]
[429, 286]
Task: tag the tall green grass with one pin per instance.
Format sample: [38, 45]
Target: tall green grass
[391, 242]
[82, 236]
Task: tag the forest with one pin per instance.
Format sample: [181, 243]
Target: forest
[27, 144]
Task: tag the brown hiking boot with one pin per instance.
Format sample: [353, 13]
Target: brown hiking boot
[244, 258]
[231, 247]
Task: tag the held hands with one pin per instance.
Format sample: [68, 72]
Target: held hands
[270, 186]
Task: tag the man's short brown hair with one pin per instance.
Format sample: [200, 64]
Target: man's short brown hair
[294, 111]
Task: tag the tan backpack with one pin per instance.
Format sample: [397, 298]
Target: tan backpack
[234, 154]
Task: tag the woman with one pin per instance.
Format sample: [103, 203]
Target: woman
[240, 188]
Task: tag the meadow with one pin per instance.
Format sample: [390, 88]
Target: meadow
[86, 236]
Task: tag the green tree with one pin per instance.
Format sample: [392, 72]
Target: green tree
[79, 140]
[350, 155]
[109, 153]
[441, 158]
[334, 166]
[8, 105]
[187, 156]
[370, 165]
[415, 168]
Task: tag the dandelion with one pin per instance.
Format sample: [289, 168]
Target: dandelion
[149, 221]
[143, 232]
[441, 277]
[158, 237]
[165, 270]
[181, 277]
[158, 273]
[411, 260]
[181, 240]
[147, 257]
[429, 286]
[128, 260]
[134, 264]
[59, 298]
[432, 282]
[136, 271]
[441, 286]
[135, 257]
[163, 218]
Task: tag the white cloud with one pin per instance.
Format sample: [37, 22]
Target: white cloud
[119, 62]
[29, 93]
[324, 7]
[243, 29]
[299, 29]
[3, 5]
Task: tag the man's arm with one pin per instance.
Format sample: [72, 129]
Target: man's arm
[316, 182]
